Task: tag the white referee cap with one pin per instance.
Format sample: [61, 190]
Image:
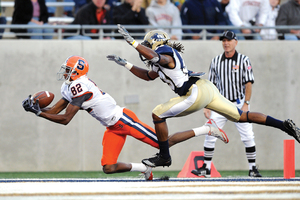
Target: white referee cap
[229, 35]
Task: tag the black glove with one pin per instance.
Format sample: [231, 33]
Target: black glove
[28, 105]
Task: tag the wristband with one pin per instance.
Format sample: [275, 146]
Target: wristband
[135, 43]
[38, 113]
[128, 65]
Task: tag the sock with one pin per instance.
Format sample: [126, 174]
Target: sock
[164, 149]
[251, 156]
[203, 130]
[208, 154]
[270, 121]
[208, 164]
[138, 167]
[251, 165]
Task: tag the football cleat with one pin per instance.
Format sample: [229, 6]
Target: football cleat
[216, 131]
[254, 172]
[157, 161]
[148, 174]
[202, 171]
[292, 129]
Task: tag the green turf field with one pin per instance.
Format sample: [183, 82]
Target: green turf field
[100, 174]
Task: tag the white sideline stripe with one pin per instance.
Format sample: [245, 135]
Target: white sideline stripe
[152, 190]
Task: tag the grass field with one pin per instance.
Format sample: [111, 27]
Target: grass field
[100, 174]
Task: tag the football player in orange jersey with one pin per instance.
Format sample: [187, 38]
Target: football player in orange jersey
[79, 92]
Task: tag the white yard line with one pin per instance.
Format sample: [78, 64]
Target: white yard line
[77, 189]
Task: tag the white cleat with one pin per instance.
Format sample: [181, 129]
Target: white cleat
[216, 131]
[148, 174]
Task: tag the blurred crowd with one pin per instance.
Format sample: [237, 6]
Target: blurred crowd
[166, 13]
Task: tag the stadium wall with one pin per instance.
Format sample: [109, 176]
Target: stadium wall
[30, 143]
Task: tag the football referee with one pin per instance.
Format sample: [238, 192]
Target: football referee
[232, 74]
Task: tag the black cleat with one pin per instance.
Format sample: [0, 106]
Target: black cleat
[202, 171]
[157, 161]
[292, 129]
[254, 172]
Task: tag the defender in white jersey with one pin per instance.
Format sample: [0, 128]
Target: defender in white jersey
[194, 93]
[79, 92]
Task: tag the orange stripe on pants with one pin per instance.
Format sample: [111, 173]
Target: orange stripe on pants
[115, 136]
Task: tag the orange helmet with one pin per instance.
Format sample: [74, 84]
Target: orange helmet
[73, 68]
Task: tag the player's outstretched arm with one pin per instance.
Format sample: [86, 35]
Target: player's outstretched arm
[148, 53]
[65, 118]
[137, 71]
[52, 113]
[120, 61]
[57, 107]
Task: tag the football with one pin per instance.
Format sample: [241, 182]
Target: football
[44, 97]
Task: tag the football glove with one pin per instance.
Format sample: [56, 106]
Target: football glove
[191, 73]
[122, 30]
[28, 105]
[120, 61]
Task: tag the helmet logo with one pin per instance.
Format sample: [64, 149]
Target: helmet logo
[80, 64]
[157, 36]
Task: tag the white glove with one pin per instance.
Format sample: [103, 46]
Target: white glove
[120, 61]
[122, 30]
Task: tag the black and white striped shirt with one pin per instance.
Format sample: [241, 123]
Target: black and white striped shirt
[230, 75]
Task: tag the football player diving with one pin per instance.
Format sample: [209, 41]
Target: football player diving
[80, 92]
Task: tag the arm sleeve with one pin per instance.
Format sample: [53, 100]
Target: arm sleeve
[141, 16]
[211, 73]
[78, 101]
[151, 16]
[176, 22]
[184, 14]
[43, 12]
[220, 16]
[123, 16]
[82, 18]
[263, 12]
[248, 71]
[22, 12]
[282, 19]
[233, 12]
[65, 99]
